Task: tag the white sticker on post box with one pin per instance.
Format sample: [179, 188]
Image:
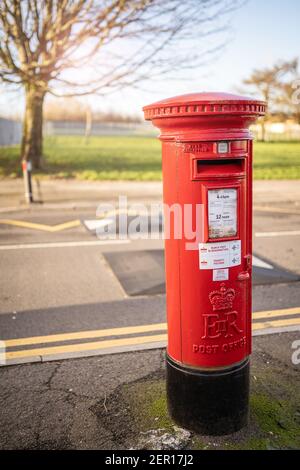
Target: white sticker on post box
[219, 255]
[220, 274]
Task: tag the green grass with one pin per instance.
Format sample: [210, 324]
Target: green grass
[135, 158]
[277, 160]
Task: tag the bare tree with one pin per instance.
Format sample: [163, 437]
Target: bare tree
[80, 47]
[73, 109]
[270, 84]
[64, 109]
[285, 102]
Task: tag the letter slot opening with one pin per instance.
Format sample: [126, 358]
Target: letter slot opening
[221, 168]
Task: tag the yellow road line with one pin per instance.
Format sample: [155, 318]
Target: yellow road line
[276, 313]
[43, 227]
[65, 225]
[275, 323]
[81, 347]
[127, 330]
[113, 343]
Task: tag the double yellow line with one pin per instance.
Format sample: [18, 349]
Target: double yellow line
[270, 320]
[269, 317]
[79, 347]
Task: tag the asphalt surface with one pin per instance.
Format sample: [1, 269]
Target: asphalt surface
[71, 404]
[58, 278]
[55, 278]
[60, 282]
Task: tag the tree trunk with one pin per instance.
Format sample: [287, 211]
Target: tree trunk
[263, 130]
[32, 139]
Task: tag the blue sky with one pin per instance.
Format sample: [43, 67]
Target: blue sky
[262, 32]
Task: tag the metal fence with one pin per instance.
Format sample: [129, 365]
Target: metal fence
[98, 128]
[10, 132]
[273, 131]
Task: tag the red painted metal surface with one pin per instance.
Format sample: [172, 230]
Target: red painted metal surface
[209, 321]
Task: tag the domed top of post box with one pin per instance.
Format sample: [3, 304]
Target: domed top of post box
[204, 104]
[187, 115]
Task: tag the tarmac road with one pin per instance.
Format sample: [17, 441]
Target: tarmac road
[59, 288]
[61, 298]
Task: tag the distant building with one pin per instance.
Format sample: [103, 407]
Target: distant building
[10, 132]
[288, 130]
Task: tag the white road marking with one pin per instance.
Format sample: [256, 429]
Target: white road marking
[259, 263]
[97, 223]
[10, 209]
[283, 233]
[63, 244]
[282, 210]
[25, 246]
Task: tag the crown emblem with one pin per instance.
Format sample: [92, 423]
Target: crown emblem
[223, 298]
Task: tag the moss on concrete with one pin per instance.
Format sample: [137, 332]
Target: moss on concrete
[148, 402]
[136, 413]
[274, 422]
[278, 418]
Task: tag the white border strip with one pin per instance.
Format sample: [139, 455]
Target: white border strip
[27, 246]
[283, 233]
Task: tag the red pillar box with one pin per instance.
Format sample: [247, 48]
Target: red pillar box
[207, 181]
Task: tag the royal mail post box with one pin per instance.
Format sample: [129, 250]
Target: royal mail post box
[207, 188]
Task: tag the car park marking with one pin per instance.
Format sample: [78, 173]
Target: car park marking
[97, 224]
[259, 263]
[41, 227]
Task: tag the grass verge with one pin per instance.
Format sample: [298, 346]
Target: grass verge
[135, 159]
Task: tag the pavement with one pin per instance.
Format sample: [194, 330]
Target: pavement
[74, 193]
[118, 402]
[63, 297]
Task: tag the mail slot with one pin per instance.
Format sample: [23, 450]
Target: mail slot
[221, 168]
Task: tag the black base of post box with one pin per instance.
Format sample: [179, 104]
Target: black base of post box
[208, 402]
